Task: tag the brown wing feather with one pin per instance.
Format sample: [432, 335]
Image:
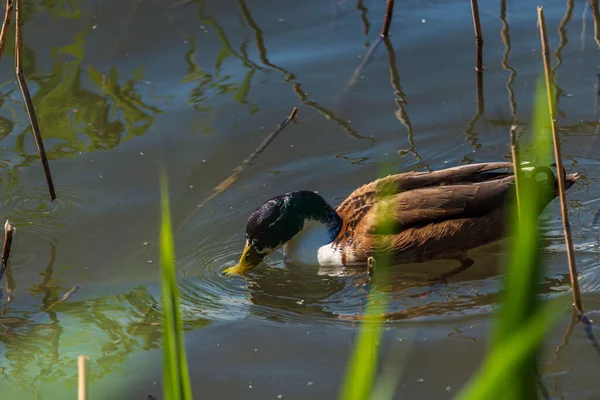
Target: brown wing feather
[358, 204]
[428, 212]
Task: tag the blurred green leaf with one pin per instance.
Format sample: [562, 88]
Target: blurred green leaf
[175, 371]
[491, 380]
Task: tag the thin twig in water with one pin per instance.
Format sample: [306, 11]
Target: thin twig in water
[516, 166]
[82, 377]
[389, 12]
[559, 165]
[478, 56]
[236, 172]
[5, 25]
[27, 97]
[65, 297]
[9, 231]
[478, 36]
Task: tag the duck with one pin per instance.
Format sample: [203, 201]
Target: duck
[410, 217]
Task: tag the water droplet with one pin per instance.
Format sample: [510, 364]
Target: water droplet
[150, 261]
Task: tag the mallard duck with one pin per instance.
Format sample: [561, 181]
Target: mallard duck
[428, 215]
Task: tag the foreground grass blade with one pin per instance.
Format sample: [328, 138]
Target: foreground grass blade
[525, 270]
[490, 381]
[176, 381]
[510, 369]
[362, 368]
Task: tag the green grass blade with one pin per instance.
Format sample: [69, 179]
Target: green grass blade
[362, 368]
[490, 380]
[176, 379]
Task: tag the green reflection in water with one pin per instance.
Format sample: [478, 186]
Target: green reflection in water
[75, 116]
[42, 347]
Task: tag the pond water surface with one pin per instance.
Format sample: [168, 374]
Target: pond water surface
[123, 86]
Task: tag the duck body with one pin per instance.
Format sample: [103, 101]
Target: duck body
[417, 216]
[410, 217]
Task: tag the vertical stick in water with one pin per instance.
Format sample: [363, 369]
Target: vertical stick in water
[9, 231]
[516, 166]
[478, 36]
[82, 377]
[389, 12]
[27, 97]
[559, 165]
[5, 25]
[478, 55]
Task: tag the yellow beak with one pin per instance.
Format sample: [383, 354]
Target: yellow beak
[248, 261]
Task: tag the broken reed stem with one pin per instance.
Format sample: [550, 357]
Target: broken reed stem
[5, 25]
[82, 377]
[27, 97]
[478, 56]
[559, 165]
[389, 12]
[516, 166]
[236, 172]
[478, 36]
[9, 231]
[385, 30]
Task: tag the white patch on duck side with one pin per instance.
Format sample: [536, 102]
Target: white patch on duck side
[312, 246]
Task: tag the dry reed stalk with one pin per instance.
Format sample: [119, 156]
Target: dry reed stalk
[27, 97]
[478, 36]
[9, 231]
[236, 172]
[82, 377]
[559, 165]
[385, 29]
[514, 151]
[5, 25]
[389, 12]
[478, 56]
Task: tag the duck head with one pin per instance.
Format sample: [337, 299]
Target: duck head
[278, 221]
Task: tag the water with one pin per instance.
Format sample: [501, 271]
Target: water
[122, 87]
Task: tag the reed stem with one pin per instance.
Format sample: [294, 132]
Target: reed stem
[27, 97]
[478, 36]
[5, 25]
[389, 12]
[559, 165]
[516, 166]
[236, 172]
[82, 377]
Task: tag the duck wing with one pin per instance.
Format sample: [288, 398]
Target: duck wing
[453, 188]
